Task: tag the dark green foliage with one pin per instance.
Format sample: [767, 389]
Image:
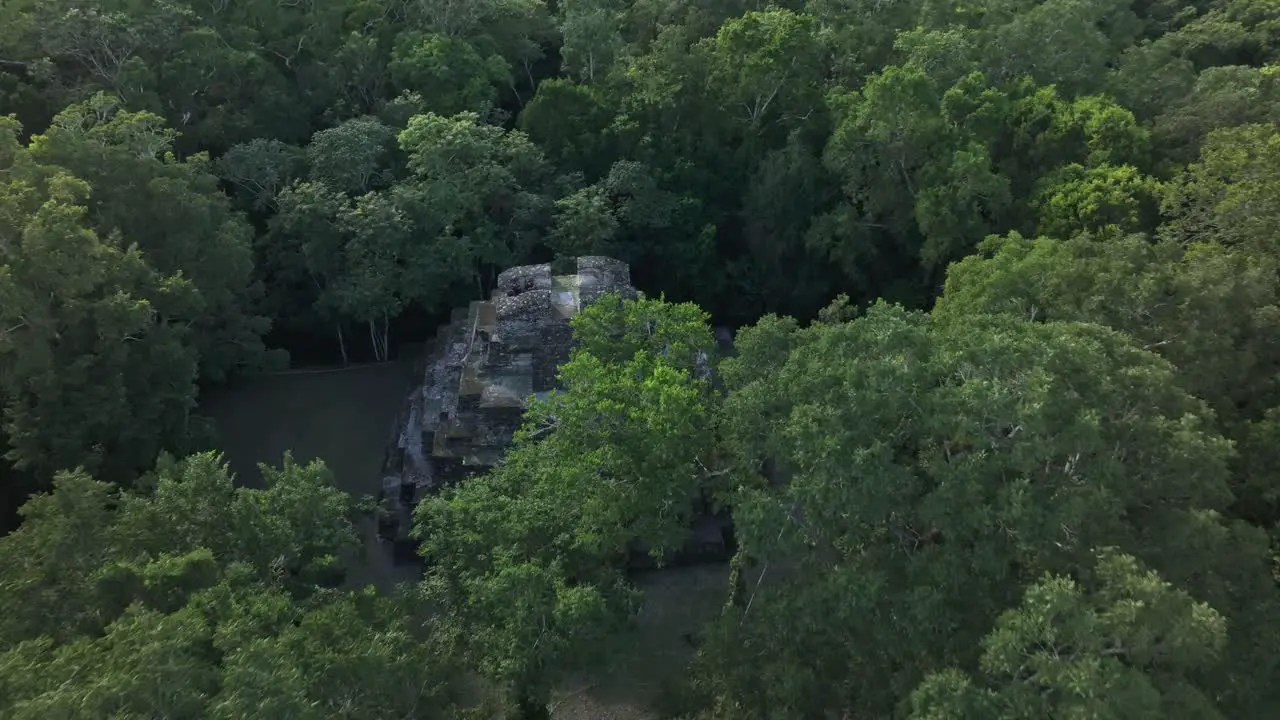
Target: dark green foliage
[198, 599]
[1083, 191]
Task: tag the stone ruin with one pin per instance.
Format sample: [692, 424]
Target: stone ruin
[484, 366]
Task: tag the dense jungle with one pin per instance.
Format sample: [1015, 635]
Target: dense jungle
[1000, 436]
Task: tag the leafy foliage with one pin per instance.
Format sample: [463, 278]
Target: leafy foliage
[198, 599]
[525, 561]
[1077, 442]
[923, 470]
[1129, 647]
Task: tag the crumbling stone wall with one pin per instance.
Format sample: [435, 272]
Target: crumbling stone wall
[486, 364]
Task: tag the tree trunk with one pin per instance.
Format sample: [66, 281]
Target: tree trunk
[386, 337]
[373, 342]
[342, 343]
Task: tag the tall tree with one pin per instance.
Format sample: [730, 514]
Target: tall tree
[1126, 645]
[97, 367]
[198, 599]
[477, 193]
[174, 212]
[921, 471]
[525, 561]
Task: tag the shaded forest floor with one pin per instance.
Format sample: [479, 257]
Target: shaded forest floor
[645, 678]
[343, 416]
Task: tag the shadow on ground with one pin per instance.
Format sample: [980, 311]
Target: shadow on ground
[653, 657]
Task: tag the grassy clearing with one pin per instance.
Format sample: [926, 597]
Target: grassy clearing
[343, 416]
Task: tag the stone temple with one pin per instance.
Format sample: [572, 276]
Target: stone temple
[486, 363]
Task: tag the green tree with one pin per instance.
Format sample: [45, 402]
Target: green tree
[354, 157]
[913, 163]
[629, 216]
[302, 258]
[1101, 198]
[1232, 195]
[1222, 97]
[450, 73]
[174, 212]
[592, 37]
[767, 67]
[571, 123]
[1126, 645]
[194, 598]
[920, 471]
[97, 367]
[1065, 43]
[1211, 311]
[525, 561]
[585, 224]
[477, 193]
[353, 657]
[776, 270]
[384, 267]
[260, 169]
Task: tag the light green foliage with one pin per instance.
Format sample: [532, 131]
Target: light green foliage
[911, 154]
[450, 73]
[927, 170]
[354, 246]
[289, 534]
[767, 68]
[524, 561]
[614, 330]
[1211, 311]
[1232, 195]
[478, 191]
[585, 224]
[1104, 198]
[145, 664]
[352, 657]
[47, 563]
[1127, 645]
[198, 599]
[926, 469]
